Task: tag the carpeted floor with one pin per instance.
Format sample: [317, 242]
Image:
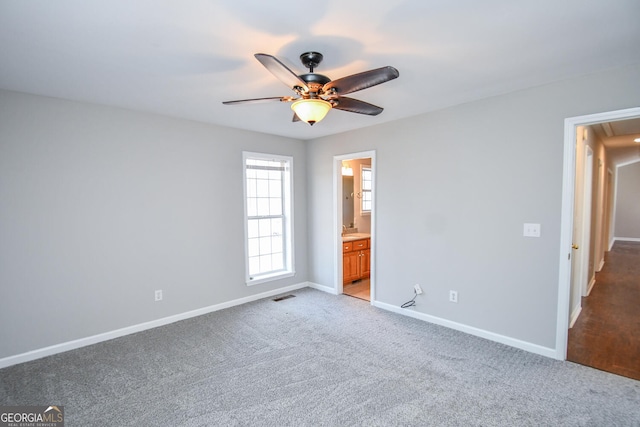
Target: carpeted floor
[317, 360]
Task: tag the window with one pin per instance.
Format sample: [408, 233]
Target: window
[366, 189]
[268, 210]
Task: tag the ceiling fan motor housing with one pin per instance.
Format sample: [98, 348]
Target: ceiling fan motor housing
[314, 81]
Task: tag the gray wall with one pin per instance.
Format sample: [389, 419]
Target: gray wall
[101, 206]
[627, 222]
[454, 189]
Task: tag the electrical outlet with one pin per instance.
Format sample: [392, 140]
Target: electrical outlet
[417, 288]
[453, 296]
[531, 230]
[158, 295]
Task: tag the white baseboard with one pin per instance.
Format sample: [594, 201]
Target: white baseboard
[592, 283]
[83, 342]
[574, 316]
[626, 239]
[523, 345]
[323, 288]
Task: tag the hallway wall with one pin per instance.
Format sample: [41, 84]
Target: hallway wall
[627, 216]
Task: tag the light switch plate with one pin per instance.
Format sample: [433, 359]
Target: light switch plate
[531, 230]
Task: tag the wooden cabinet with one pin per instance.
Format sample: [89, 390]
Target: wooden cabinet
[350, 266]
[365, 263]
[356, 260]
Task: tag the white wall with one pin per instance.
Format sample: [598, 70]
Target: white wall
[627, 221]
[454, 188]
[101, 206]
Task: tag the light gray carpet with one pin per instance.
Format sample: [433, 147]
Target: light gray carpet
[317, 360]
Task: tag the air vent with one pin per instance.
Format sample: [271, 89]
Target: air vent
[283, 297]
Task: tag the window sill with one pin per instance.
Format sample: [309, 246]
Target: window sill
[270, 277]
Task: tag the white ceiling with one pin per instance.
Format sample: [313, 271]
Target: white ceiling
[619, 138]
[183, 59]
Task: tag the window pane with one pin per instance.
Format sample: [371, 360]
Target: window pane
[252, 206]
[366, 179]
[252, 228]
[366, 201]
[276, 226]
[275, 188]
[265, 245]
[253, 247]
[254, 266]
[276, 244]
[275, 206]
[262, 174]
[262, 187]
[276, 262]
[265, 227]
[251, 188]
[263, 206]
[265, 263]
[275, 175]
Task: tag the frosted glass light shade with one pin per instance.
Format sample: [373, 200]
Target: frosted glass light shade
[311, 110]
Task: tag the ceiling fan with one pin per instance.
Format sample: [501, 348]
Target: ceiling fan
[317, 94]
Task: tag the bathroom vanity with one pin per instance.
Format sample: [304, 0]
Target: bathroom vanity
[356, 257]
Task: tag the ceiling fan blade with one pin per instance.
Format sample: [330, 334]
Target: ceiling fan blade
[361, 81]
[281, 71]
[260, 100]
[295, 118]
[356, 106]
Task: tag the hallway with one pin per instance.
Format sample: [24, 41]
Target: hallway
[606, 335]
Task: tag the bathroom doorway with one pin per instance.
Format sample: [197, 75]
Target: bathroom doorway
[354, 222]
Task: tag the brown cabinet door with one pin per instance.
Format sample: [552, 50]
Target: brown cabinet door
[350, 266]
[365, 263]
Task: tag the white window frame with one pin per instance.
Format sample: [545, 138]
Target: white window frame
[287, 220]
[364, 212]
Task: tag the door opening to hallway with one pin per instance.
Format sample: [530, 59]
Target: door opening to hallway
[604, 289]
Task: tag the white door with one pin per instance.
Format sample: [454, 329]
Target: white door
[581, 225]
[586, 223]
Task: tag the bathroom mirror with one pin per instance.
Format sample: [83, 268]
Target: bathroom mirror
[347, 201]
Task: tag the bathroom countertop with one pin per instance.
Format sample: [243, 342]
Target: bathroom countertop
[355, 236]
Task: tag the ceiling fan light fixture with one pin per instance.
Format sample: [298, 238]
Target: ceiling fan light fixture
[311, 110]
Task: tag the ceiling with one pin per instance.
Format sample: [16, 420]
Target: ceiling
[183, 59]
[618, 138]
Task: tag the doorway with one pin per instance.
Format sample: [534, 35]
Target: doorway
[565, 297]
[354, 224]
